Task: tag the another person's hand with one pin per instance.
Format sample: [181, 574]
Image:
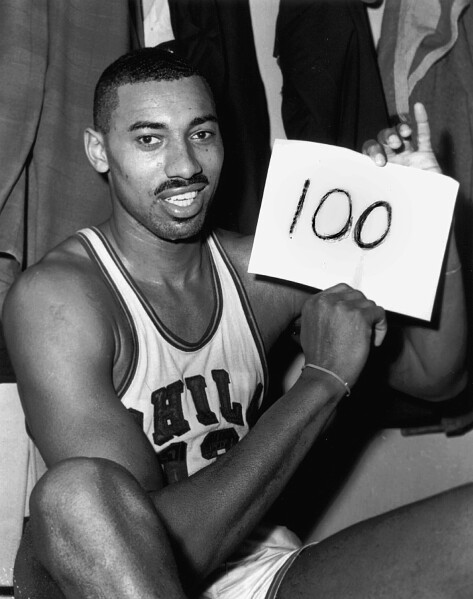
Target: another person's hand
[338, 328]
[398, 146]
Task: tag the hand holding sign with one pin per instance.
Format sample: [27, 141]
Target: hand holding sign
[330, 215]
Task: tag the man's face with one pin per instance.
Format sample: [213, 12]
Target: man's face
[165, 153]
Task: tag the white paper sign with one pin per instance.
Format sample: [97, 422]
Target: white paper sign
[330, 215]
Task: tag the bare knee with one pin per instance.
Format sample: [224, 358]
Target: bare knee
[75, 484]
[75, 505]
[74, 497]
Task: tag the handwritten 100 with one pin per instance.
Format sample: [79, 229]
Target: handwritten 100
[342, 232]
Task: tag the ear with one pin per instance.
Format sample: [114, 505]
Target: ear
[95, 150]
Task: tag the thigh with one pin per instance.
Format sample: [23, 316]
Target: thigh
[31, 580]
[423, 550]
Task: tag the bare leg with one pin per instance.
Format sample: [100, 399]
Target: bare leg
[97, 534]
[421, 551]
[31, 580]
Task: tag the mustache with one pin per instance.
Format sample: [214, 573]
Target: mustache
[180, 183]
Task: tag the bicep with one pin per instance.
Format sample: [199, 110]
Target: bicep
[63, 360]
[72, 419]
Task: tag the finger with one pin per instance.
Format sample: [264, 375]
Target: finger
[344, 290]
[380, 326]
[375, 151]
[396, 140]
[337, 288]
[353, 298]
[390, 138]
[374, 314]
[404, 132]
[423, 128]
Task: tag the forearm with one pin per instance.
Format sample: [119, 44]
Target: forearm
[432, 362]
[210, 513]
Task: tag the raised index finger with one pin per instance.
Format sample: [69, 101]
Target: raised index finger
[423, 128]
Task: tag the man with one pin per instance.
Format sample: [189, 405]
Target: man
[146, 337]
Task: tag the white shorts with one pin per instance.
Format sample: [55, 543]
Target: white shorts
[250, 572]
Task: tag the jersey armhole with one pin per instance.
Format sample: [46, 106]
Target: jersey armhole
[123, 384]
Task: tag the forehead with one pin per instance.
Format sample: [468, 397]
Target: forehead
[163, 101]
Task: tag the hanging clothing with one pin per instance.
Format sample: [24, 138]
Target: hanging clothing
[415, 35]
[332, 91]
[216, 36]
[425, 55]
[52, 53]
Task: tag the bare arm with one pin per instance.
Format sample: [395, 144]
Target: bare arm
[431, 363]
[63, 344]
[337, 331]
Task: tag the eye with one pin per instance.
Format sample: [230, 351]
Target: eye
[148, 140]
[202, 135]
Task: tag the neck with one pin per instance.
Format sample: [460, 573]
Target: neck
[155, 260]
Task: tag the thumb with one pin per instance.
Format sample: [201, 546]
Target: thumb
[380, 330]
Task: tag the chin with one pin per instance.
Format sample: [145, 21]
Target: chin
[181, 231]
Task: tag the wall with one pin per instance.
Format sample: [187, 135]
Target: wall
[264, 14]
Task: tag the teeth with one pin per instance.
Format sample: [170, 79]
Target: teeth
[184, 199]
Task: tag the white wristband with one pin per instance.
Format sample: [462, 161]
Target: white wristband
[453, 271]
[327, 371]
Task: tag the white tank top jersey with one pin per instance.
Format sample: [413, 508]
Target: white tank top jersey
[194, 401]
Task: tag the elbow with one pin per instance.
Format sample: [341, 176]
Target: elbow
[441, 387]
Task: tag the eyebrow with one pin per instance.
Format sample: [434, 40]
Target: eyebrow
[200, 120]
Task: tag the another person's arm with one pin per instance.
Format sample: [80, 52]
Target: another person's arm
[431, 363]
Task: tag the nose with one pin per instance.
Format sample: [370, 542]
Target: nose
[181, 160]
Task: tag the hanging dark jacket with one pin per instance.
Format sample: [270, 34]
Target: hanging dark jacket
[332, 91]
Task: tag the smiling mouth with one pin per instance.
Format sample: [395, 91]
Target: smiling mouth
[183, 199]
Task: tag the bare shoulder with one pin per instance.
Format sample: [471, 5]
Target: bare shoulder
[64, 276]
[53, 301]
[275, 302]
[65, 338]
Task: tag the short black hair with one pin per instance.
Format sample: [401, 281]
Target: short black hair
[137, 66]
